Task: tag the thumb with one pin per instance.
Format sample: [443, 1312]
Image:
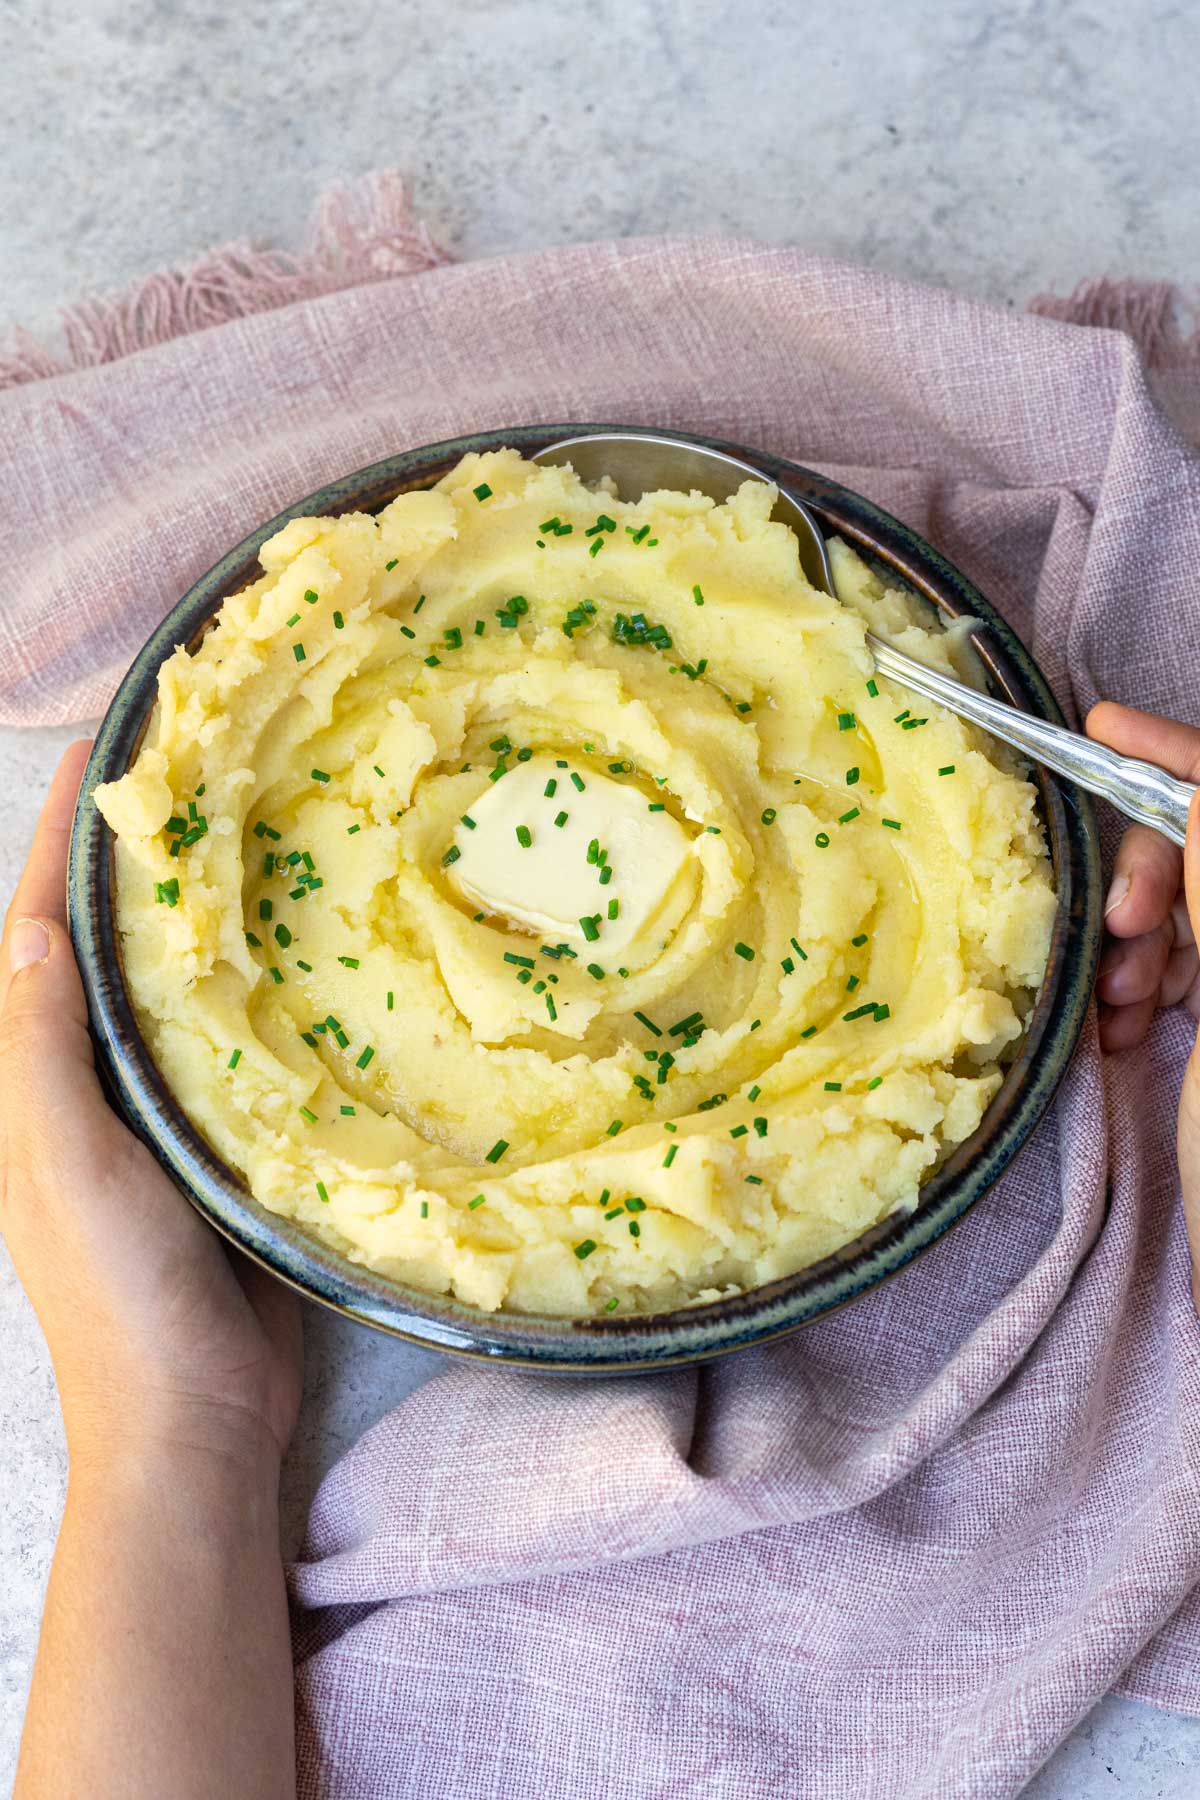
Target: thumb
[47, 1069]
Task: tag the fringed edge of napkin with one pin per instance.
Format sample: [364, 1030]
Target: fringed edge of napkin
[1149, 312]
[359, 232]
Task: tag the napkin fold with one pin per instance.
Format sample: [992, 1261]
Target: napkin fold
[901, 1553]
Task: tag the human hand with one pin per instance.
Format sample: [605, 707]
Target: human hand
[153, 1325]
[1152, 916]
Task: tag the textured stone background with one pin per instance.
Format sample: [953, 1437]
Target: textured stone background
[1002, 149]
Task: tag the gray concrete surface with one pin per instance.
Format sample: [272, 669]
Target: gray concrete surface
[1003, 149]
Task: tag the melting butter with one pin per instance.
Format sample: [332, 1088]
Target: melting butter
[549, 886]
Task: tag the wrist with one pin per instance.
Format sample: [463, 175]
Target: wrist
[215, 1447]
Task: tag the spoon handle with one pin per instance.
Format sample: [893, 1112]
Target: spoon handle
[1137, 789]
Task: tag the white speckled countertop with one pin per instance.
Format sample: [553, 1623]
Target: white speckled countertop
[1003, 149]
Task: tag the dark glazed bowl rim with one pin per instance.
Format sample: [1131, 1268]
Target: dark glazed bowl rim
[610, 1345]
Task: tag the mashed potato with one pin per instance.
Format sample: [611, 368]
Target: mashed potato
[536, 897]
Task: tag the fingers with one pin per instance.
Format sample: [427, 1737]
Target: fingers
[1145, 882]
[1134, 970]
[1172, 746]
[1121, 1027]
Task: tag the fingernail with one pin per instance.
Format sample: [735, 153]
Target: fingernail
[28, 942]
[1116, 893]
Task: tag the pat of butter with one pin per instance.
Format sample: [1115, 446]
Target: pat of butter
[548, 886]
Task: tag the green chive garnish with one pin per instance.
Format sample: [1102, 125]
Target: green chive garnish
[833, 1087]
[482, 492]
[590, 928]
[614, 1128]
[283, 936]
[876, 1081]
[873, 688]
[768, 815]
[366, 1056]
[524, 836]
[846, 721]
[390, 1000]
[348, 962]
[948, 770]
[584, 1250]
[452, 855]
[595, 971]
[859, 941]
[697, 596]
[744, 951]
[669, 1158]
[298, 652]
[738, 1131]
[497, 1150]
[276, 977]
[851, 777]
[234, 1060]
[822, 840]
[167, 892]
[322, 1192]
[309, 1117]
[477, 1201]
[389, 566]
[892, 824]
[847, 816]
[318, 775]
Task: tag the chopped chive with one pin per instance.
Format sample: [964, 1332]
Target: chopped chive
[851, 984]
[378, 770]
[407, 631]
[578, 781]
[550, 789]
[657, 806]
[482, 492]
[167, 892]
[276, 977]
[294, 620]
[595, 971]
[809, 1032]
[859, 941]
[873, 688]
[744, 951]
[311, 596]
[682, 1026]
[298, 652]
[339, 624]
[589, 927]
[424, 1209]
[452, 855]
[283, 936]
[614, 1128]
[669, 1158]
[265, 909]
[882, 1011]
[347, 1112]
[309, 1117]
[851, 777]
[390, 1000]
[833, 1087]
[480, 627]
[433, 662]
[876, 1081]
[754, 1180]
[307, 967]
[846, 721]
[322, 1192]
[648, 1023]
[318, 775]
[522, 962]
[366, 1056]
[595, 547]
[738, 1131]
[714, 829]
[614, 905]
[948, 770]
[234, 1060]
[822, 840]
[550, 1007]
[846, 817]
[697, 596]
[453, 637]
[497, 1150]
[255, 941]
[348, 962]
[477, 1201]
[787, 965]
[760, 1126]
[351, 829]
[524, 836]
[892, 824]
[419, 605]
[769, 815]
[584, 1250]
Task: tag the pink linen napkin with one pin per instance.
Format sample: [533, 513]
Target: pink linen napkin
[903, 1552]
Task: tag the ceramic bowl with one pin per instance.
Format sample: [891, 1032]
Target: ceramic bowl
[589, 1346]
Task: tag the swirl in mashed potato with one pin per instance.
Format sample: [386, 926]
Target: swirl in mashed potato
[536, 897]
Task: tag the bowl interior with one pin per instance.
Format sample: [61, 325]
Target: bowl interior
[555, 1344]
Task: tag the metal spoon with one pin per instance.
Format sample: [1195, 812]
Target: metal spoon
[640, 462]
